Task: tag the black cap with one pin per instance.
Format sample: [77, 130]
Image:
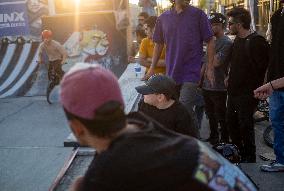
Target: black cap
[217, 18]
[159, 84]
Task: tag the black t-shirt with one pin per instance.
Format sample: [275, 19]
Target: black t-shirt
[153, 158]
[175, 118]
[276, 64]
[247, 69]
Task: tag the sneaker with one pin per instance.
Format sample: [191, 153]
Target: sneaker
[48, 100]
[273, 167]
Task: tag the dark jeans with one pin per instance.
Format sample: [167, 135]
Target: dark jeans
[215, 107]
[240, 123]
[55, 74]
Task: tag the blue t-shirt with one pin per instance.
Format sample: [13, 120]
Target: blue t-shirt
[183, 34]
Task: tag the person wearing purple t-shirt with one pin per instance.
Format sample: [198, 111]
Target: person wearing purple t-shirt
[183, 29]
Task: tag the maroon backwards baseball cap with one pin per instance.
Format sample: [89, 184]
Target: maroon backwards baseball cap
[86, 87]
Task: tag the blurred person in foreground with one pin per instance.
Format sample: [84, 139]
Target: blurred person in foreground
[133, 152]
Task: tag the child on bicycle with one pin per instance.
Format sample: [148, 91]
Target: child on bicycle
[56, 56]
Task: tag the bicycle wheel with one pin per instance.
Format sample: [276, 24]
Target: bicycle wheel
[268, 136]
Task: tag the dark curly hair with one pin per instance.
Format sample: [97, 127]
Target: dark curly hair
[240, 15]
[151, 21]
[110, 119]
[143, 14]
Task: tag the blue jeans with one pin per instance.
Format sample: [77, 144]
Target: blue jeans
[191, 97]
[276, 112]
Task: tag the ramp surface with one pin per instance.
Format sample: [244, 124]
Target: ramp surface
[17, 68]
[3, 50]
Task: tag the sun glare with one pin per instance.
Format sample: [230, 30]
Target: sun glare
[77, 11]
[77, 2]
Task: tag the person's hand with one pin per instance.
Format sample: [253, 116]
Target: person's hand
[131, 59]
[149, 74]
[210, 75]
[75, 186]
[263, 91]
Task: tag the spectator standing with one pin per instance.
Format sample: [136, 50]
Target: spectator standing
[248, 62]
[148, 6]
[147, 48]
[215, 95]
[183, 29]
[276, 100]
[136, 153]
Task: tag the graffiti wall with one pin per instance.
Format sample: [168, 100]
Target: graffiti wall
[91, 38]
[36, 9]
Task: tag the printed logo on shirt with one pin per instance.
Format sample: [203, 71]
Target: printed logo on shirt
[219, 174]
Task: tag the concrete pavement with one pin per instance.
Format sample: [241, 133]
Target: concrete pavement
[32, 152]
[31, 143]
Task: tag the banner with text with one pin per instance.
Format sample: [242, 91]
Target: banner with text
[13, 19]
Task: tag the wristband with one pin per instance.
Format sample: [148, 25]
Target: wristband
[271, 86]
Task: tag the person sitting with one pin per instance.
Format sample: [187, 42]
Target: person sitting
[140, 34]
[147, 48]
[136, 153]
[160, 102]
[141, 21]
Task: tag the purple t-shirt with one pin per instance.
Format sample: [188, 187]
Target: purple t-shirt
[183, 34]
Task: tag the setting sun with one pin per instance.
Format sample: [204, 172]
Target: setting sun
[77, 2]
[133, 1]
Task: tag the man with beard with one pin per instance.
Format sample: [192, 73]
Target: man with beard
[183, 29]
[248, 63]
